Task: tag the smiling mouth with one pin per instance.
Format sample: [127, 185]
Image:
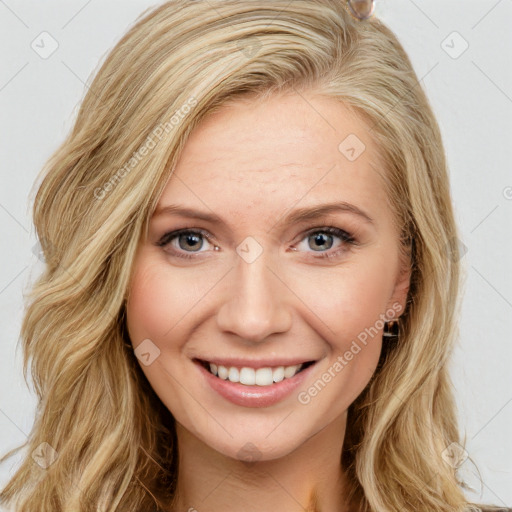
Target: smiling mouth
[266, 376]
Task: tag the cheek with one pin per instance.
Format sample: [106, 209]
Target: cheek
[159, 302]
[154, 309]
[348, 314]
[347, 307]
[154, 306]
[348, 300]
[145, 307]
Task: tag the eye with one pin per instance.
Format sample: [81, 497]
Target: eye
[187, 243]
[187, 240]
[321, 241]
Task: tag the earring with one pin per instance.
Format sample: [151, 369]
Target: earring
[391, 329]
[361, 9]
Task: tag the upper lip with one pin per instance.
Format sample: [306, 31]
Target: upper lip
[239, 362]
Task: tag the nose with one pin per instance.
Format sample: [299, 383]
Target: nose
[256, 304]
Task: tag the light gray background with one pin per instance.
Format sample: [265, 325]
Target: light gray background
[471, 93]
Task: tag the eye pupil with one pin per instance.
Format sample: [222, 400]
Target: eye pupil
[195, 241]
[320, 240]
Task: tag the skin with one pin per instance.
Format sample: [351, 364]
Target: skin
[252, 163]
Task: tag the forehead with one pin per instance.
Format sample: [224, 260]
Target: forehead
[275, 152]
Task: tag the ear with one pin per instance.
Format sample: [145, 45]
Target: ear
[402, 283]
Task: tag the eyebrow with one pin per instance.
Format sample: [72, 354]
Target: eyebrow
[296, 216]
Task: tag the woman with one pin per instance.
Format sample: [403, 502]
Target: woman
[193, 343]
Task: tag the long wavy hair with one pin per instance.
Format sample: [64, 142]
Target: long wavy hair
[111, 441]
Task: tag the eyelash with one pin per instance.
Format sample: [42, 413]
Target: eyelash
[346, 238]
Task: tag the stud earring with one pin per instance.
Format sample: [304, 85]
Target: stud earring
[390, 329]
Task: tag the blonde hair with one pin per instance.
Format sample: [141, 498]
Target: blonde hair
[113, 438]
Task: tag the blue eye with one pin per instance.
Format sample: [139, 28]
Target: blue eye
[191, 240]
[187, 243]
[187, 239]
[319, 239]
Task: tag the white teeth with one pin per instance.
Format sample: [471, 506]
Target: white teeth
[223, 372]
[290, 371]
[278, 374]
[234, 374]
[250, 377]
[264, 376]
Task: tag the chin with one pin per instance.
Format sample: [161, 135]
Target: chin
[254, 449]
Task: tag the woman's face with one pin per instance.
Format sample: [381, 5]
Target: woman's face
[281, 295]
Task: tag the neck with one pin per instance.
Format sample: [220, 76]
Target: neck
[309, 479]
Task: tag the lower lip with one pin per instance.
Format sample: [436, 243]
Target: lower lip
[254, 396]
